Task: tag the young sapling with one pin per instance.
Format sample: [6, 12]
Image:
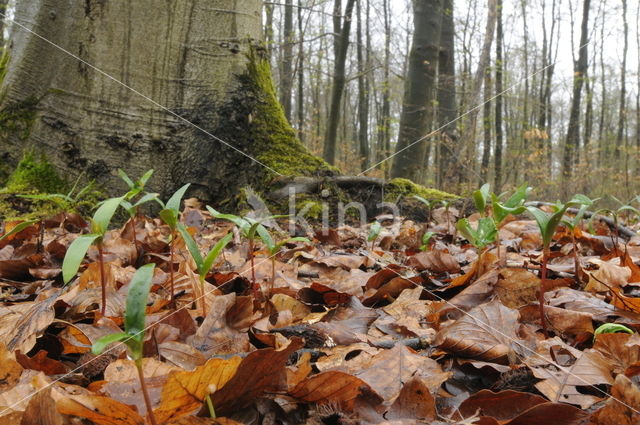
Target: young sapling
[134, 189]
[572, 224]
[548, 223]
[427, 238]
[374, 233]
[170, 214]
[203, 265]
[79, 247]
[273, 249]
[134, 326]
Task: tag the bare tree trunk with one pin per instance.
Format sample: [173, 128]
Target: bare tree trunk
[337, 88]
[622, 111]
[419, 90]
[286, 69]
[602, 151]
[447, 112]
[363, 99]
[486, 125]
[580, 69]
[268, 29]
[499, 67]
[3, 10]
[207, 68]
[384, 124]
[301, 59]
[476, 85]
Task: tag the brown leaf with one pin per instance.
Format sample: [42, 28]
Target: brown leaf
[42, 410]
[414, 402]
[504, 405]
[335, 387]
[261, 371]
[391, 290]
[487, 333]
[10, 369]
[623, 407]
[21, 324]
[618, 349]
[180, 354]
[185, 391]
[578, 369]
[387, 370]
[517, 287]
[100, 410]
[42, 363]
[566, 322]
[437, 261]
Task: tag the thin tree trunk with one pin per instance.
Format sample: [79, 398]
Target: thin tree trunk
[447, 111]
[286, 70]
[580, 69]
[337, 88]
[476, 85]
[498, 129]
[602, 151]
[363, 98]
[419, 90]
[486, 125]
[268, 29]
[384, 124]
[301, 59]
[622, 111]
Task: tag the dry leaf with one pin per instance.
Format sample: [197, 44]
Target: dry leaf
[100, 410]
[414, 402]
[335, 387]
[624, 406]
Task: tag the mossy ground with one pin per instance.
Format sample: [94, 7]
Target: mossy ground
[34, 175]
[397, 189]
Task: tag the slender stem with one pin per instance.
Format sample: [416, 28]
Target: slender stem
[212, 411]
[173, 301]
[204, 302]
[145, 393]
[253, 269]
[273, 274]
[576, 261]
[103, 282]
[135, 239]
[40, 237]
[543, 278]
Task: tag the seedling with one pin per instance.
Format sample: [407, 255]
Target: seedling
[481, 198]
[251, 230]
[374, 232]
[203, 265]
[548, 223]
[611, 328]
[428, 203]
[514, 205]
[134, 189]
[134, 326]
[170, 214]
[572, 224]
[274, 248]
[426, 240]
[19, 228]
[79, 247]
[615, 214]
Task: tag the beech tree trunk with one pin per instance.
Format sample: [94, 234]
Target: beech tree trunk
[203, 60]
[419, 94]
[579, 71]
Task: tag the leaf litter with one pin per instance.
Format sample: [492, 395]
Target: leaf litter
[333, 330]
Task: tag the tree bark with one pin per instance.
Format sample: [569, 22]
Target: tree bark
[201, 60]
[580, 68]
[499, 67]
[339, 79]
[447, 107]
[363, 98]
[384, 121]
[622, 111]
[419, 92]
[286, 70]
[301, 59]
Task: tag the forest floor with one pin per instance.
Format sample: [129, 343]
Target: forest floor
[337, 330]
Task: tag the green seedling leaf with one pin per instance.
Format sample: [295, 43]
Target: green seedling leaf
[103, 215]
[19, 228]
[145, 178]
[480, 237]
[481, 197]
[610, 328]
[192, 246]
[102, 343]
[213, 254]
[126, 178]
[75, 254]
[170, 217]
[423, 200]
[238, 221]
[513, 205]
[174, 202]
[426, 238]
[136, 308]
[147, 197]
[374, 231]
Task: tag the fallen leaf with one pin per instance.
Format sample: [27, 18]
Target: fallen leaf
[487, 333]
[414, 402]
[437, 261]
[624, 406]
[21, 324]
[334, 387]
[100, 410]
[517, 287]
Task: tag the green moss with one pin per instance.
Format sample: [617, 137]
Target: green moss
[35, 172]
[315, 206]
[398, 188]
[277, 144]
